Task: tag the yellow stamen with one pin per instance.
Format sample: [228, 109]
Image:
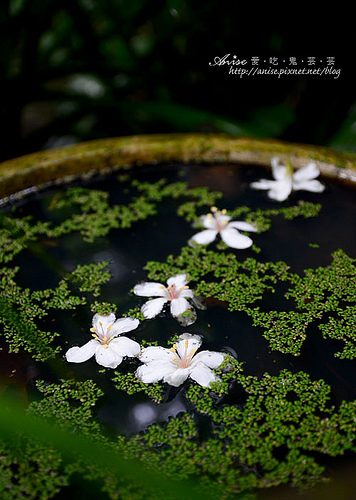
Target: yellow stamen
[109, 327]
[191, 354]
[93, 329]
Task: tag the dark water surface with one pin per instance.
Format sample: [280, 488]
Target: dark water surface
[166, 233]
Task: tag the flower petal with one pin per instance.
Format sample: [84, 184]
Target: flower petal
[234, 239]
[153, 372]
[314, 186]
[203, 375]
[221, 218]
[243, 226]
[103, 322]
[187, 293]
[179, 306]
[150, 289]
[177, 377]
[107, 357]
[262, 184]
[281, 189]
[306, 173]
[80, 354]
[123, 325]
[151, 308]
[180, 280]
[156, 353]
[278, 171]
[211, 359]
[188, 343]
[124, 346]
[204, 237]
[208, 221]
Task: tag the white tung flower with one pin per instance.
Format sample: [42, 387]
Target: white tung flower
[176, 293]
[286, 181]
[175, 365]
[217, 222]
[106, 346]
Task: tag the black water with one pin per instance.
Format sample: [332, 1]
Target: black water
[165, 233]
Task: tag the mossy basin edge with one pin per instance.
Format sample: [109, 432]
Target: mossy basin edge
[62, 164]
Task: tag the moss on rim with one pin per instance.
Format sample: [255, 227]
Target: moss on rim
[54, 165]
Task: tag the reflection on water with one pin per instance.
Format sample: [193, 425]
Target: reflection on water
[142, 415]
[130, 414]
[117, 266]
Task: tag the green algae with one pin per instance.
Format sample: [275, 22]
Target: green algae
[23, 310]
[237, 282]
[130, 384]
[326, 294]
[281, 427]
[247, 439]
[31, 471]
[277, 433]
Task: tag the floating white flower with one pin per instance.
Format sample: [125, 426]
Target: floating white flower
[176, 293]
[286, 181]
[217, 222]
[106, 346]
[175, 365]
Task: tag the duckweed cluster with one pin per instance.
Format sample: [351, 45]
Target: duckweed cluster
[23, 310]
[274, 433]
[324, 296]
[263, 431]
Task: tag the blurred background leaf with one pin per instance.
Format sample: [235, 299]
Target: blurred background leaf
[78, 70]
[20, 428]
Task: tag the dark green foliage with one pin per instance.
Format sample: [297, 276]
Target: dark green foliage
[77, 71]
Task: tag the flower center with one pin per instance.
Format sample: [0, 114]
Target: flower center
[172, 292]
[183, 359]
[101, 335]
[219, 222]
